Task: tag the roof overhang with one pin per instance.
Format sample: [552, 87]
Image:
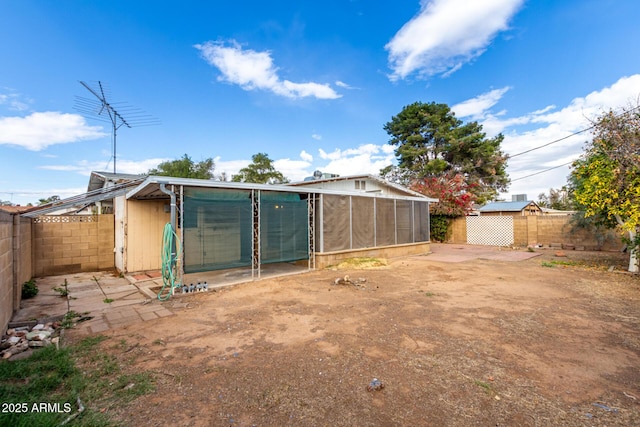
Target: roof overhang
[149, 189]
[381, 181]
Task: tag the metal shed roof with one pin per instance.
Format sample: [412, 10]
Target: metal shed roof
[507, 206]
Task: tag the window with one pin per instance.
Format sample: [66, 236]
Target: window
[361, 184]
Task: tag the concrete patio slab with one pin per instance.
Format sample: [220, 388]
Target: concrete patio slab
[102, 300]
[445, 252]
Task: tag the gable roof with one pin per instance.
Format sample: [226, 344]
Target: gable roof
[507, 206]
[379, 180]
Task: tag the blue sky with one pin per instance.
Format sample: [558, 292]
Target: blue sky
[310, 83]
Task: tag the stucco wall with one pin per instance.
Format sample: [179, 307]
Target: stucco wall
[71, 244]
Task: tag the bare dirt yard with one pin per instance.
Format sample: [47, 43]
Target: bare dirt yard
[545, 341]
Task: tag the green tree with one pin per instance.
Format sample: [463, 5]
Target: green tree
[47, 200]
[185, 168]
[561, 199]
[606, 178]
[432, 143]
[260, 171]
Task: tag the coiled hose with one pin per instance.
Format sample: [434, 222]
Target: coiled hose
[170, 259]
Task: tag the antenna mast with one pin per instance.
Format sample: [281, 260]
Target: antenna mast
[113, 113]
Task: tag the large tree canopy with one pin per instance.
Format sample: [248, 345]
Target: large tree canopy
[260, 171]
[606, 178]
[185, 168]
[433, 145]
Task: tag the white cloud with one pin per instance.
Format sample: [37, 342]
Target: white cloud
[85, 167]
[37, 131]
[365, 159]
[13, 101]
[306, 156]
[446, 34]
[476, 107]
[294, 170]
[344, 85]
[549, 124]
[253, 70]
[316, 136]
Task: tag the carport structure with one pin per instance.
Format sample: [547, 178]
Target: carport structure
[225, 225]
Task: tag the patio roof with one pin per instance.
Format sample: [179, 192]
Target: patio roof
[150, 189]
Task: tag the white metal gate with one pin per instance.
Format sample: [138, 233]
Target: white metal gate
[490, 230]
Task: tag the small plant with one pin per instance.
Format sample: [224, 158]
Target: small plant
[547, 264]
[29, 289]
[486, 386]
[107, 300]
[63, 291]
[68, 319]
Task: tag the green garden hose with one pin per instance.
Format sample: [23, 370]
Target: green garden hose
[171, 249]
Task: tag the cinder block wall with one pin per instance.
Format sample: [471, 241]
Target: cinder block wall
[6, 269]
[71, 244]
[23, 263]
[540, 229]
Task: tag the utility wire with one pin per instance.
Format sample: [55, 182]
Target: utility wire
[573, 134]
[552, 142]
[542, 171]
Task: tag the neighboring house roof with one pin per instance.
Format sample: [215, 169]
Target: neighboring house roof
[379, 180]
[507, 206]
[82, 200]
[17, 209]
[99, 179]
[549, 211]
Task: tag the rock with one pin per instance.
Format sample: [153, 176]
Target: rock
[11, 331]
[560, 254]
[14, 340]
[23, 355]
[38, 327]
[375, 385]
[38, 335]
[38, 343]
[20, 333]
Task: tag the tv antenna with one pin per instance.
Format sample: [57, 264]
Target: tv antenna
[117, 114]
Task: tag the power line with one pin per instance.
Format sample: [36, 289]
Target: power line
[573, 134]
[542, 171]
[552, 142]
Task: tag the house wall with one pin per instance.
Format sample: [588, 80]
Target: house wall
[544, 230]
[145, 221]
[15, 263]
[120, 208]
[71, 244]
[371, 186]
